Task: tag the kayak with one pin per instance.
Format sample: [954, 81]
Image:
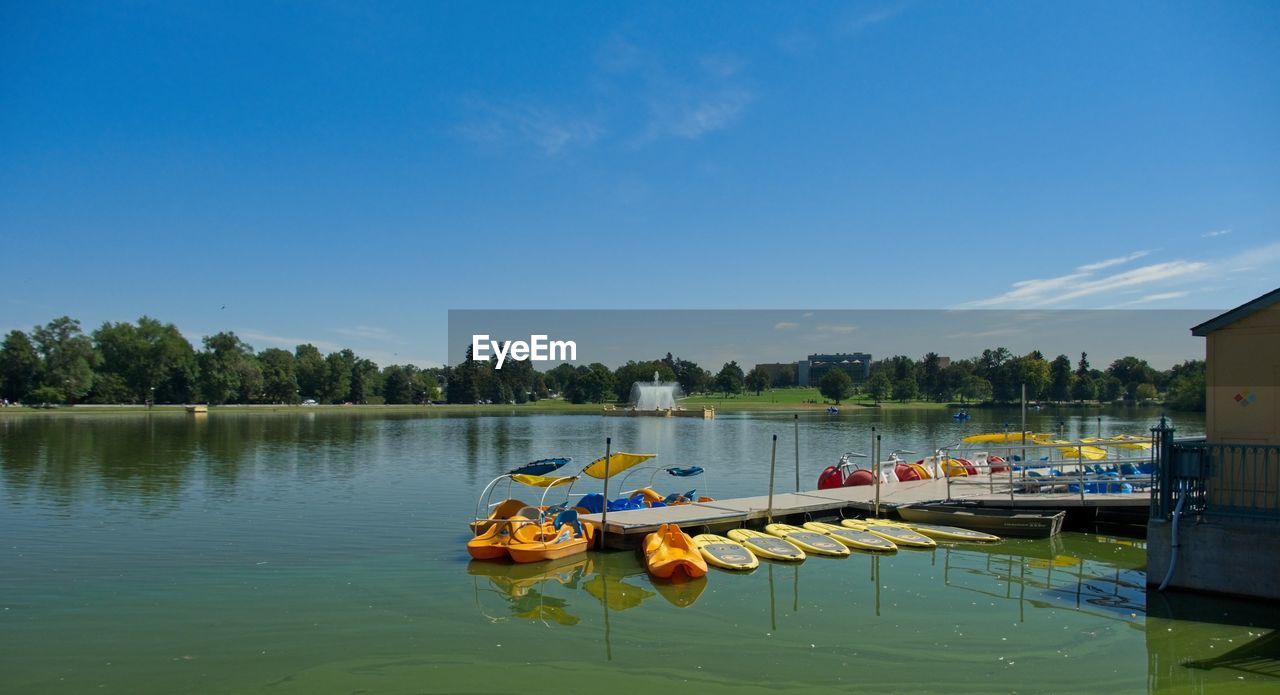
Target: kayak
[808, 541]
[766, 546]
[724, 553]
[669, 553]
[857, 540]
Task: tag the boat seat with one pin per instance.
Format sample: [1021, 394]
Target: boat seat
[569, 517]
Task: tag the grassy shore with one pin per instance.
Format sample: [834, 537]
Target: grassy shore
[783, 400]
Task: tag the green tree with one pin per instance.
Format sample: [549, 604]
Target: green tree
[229, 372]
[1034, 372]
[311, 370]
[1060, 378]
[905, 389]
[1146, 392]
[366, 380]
[337, 375]
[836, 385]
[1187, 390]
[19, 367]
[976, 388]
[461, 384]
[1110, 389]
[730, 380]
[1083, 387]
[1132, 371]
[152, 359]
[397, 385]
[279, 376]
[758, 380]
[932, 383]
[878, 386]
[67, 357]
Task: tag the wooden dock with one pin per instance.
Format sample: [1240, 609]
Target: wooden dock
[627, 528]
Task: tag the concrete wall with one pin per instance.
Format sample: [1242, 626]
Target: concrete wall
[1228, 559]
[1243, 380]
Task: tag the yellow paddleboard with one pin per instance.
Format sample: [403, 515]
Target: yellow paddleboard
[724, 553]
[858, 540]
[901, 536]
[808, 541]
[947, 533]
[766, 546]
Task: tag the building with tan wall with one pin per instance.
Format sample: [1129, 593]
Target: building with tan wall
[1242, 372]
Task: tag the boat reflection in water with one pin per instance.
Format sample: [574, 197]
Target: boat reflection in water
[542, 591]
[1100, 575]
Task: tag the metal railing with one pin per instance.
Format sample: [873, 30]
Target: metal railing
[1219, 479]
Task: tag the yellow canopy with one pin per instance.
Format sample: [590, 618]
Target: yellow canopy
[618, 462]
[997, 438]
[542, 480]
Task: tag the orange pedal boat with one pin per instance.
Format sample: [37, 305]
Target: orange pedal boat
[669, 553]
[561, 537]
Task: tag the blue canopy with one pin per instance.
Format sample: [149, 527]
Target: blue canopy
[685, 472]
[541, 466]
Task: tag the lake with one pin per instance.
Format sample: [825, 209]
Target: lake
[321, 552]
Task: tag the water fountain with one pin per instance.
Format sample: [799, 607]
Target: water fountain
[658, 395]
[658, 398]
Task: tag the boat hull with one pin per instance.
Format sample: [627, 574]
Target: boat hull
[1000, 522]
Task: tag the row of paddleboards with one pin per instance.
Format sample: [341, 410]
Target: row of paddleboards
[788, 543]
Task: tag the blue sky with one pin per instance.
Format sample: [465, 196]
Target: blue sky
[345, 173]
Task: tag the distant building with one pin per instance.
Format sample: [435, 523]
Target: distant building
[810, 372]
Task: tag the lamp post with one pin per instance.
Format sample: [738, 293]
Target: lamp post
[151, 400]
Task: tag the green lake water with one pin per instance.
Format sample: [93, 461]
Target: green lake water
[324, 553]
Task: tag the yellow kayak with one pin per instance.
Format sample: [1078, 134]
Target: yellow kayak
[724, 553]
[766, 546]
[899, 535]
[857, 540]
[808, 541]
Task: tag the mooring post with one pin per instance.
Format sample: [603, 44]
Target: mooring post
[773, 460]
[797, 421]
[877, 460]
[604, 512]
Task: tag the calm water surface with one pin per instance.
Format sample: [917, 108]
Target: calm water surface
[323, 552]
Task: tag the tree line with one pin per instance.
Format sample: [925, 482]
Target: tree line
[151, 362]
[997, 376]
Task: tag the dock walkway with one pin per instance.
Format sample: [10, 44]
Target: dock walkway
[625, 529]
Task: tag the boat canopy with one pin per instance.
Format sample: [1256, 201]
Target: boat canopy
[617, 463]
[541, 466]
[684, 472]
[542, 480]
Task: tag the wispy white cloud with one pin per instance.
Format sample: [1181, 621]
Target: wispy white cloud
[1150, 298]
[861, 21]
[1154, 282]
[1121, 260]
[551, 131]
[1214, 233]
[632, 95]
[785, 326]
[837, 328]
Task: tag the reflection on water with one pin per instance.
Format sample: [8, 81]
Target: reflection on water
[324, 551]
